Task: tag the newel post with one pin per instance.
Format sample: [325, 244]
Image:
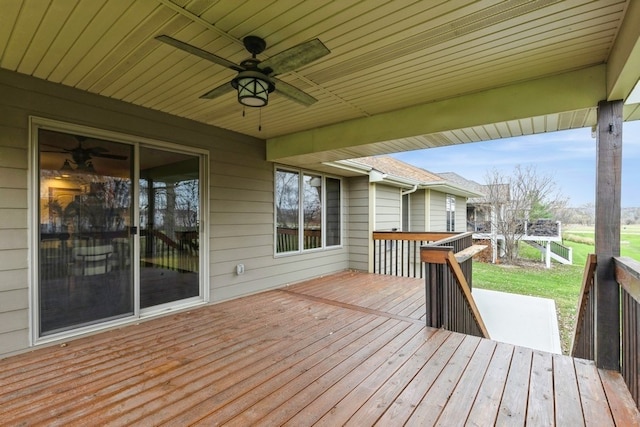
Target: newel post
[607, 233]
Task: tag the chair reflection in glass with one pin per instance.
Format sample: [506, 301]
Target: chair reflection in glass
[91, 271]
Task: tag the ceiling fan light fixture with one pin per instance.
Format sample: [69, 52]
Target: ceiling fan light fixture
[253, 88]
[66, 166]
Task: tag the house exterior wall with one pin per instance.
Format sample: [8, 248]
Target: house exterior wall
[461, 214]
[438, 211]
[241, 186]
[359, 222]
[418, 216]
[388, 207]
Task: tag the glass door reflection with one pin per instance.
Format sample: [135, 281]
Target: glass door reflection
[85, 270]
[169, 227]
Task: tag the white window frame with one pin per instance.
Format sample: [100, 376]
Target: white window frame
[450, 202]
[301, 174]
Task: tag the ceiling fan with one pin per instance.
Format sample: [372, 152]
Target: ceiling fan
[255, 79]
[81, 156]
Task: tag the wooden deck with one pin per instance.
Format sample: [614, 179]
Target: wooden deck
[346, 349]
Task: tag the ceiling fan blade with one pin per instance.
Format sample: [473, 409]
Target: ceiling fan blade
[295, 57]
[294, 93]
[198, 52]
[218, 91]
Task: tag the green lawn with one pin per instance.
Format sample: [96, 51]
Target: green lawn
[561, 283]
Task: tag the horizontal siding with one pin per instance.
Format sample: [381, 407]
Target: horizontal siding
[13, 279]
[240, 218]
[14, 291]
[438, 213]
[388, 208]
[15, 320]
[359, 230]
[417, 213]
[461, 214]
[13, 218]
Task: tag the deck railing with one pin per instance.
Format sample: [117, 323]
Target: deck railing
[449, 303]
[562, 251]
[628, 276]
[397, 253]
[541, 228]
[160, 251]
[627, 273]
[287, 239]
[584, 332]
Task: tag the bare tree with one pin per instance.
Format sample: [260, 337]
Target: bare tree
[524, 196]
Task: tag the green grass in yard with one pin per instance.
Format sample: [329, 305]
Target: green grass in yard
[561, 283]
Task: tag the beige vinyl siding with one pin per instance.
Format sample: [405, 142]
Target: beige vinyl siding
[461, 214]
[388, 203]
[240, 220]
[358, 225]
[14, 284]
[438, 211]
[417, 211]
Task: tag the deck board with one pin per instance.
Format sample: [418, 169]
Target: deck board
[345, 349]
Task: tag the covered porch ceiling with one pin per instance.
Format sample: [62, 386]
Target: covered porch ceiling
[401, 75]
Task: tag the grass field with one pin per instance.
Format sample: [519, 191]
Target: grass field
[561, 283]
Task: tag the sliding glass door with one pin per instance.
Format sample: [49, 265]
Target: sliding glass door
[119, 230]
[169, 189]
[85, 216]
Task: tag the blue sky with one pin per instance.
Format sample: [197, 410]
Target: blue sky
[568, 156]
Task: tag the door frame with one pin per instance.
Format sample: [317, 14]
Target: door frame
[36, 123]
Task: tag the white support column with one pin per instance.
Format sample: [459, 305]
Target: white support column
[547, 251]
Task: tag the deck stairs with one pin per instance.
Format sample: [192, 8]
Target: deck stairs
[550, 249]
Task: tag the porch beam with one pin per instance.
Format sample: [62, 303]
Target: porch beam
[569, 91]
[607, 233]
[623, 66]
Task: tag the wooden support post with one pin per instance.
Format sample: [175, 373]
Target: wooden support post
[607, 233]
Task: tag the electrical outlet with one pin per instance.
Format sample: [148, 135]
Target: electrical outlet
[240, 269]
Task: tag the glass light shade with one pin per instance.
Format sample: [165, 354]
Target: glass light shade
[253, 92]
[66, 166]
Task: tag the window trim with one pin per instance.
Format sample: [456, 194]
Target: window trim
[450, 220]
[301, 174]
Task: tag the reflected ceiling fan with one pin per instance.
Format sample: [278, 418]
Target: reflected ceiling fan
[82, 156]
[255, 79]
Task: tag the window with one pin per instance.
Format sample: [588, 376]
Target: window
[334, 212]
[309, 199]
[451, 212]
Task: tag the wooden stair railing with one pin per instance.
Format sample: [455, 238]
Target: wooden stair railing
[449, 303]
[583, 343]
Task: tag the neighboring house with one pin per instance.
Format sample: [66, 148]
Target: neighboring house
[479, 207]
[482, 215]
[407, 198]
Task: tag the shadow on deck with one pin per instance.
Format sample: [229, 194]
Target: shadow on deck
[349, 348]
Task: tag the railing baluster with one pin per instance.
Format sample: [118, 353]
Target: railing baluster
[392, 249]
